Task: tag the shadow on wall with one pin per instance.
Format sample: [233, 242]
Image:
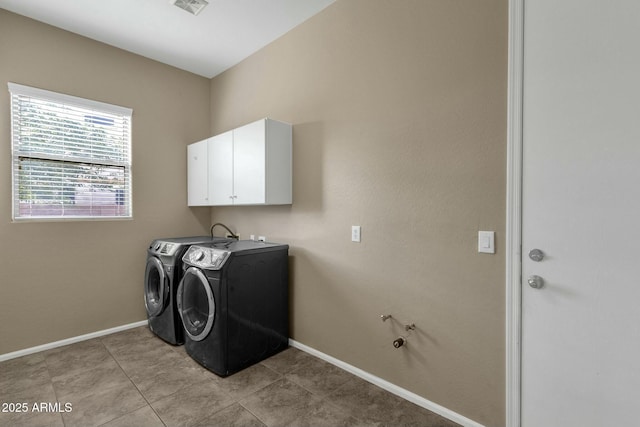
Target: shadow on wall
[308, 158]
[316, 292]
[202, 214]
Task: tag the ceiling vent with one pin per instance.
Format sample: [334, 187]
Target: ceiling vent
[192, 6]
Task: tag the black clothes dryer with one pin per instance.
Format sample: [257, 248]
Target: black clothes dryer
[161, 278]
[234, 303]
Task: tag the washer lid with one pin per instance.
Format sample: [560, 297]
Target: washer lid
[205, 257]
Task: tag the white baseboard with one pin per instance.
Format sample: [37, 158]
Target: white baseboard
[68, 341]
[386, 385]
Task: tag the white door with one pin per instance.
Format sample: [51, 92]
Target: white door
[581, 208]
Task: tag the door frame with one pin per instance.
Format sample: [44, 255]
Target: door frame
[513, 232]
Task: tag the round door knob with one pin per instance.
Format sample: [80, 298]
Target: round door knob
[536, 282]
[536, 255]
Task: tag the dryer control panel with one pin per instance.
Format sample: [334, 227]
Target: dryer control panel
[205, 257]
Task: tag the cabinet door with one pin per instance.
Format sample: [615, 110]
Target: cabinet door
[249, 164]
[197, 171]
[221, 169]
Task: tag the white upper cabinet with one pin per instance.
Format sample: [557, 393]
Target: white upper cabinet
[250, 165]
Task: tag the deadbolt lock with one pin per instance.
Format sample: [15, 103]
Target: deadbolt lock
[536, 255]
[536, 282]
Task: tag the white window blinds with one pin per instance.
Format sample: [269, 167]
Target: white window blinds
[71, 156]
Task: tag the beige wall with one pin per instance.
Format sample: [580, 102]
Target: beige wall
[399, 114]
[64, 279]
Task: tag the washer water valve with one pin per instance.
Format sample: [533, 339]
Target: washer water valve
[408, 327]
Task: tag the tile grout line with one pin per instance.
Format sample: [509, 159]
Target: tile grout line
[234, 400]
[322, 398]
[134, 385]
[284, 369]
[256, 417]
[55, 392]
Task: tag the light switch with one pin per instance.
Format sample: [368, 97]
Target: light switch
[487, 242]
[355, 233]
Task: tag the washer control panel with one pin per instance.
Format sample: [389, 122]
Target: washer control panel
[205, 257]
[161, 247]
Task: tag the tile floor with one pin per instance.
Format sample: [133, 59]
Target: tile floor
[133, 378]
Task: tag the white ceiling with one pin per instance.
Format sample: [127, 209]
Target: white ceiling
[223, 34]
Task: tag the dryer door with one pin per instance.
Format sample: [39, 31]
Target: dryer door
[196, 304]
[156, 288]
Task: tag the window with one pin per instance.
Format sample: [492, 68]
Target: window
[71, 156]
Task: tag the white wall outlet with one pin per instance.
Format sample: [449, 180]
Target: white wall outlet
[262, 239]
[487, 242]
[252, 237]
[355, 233]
